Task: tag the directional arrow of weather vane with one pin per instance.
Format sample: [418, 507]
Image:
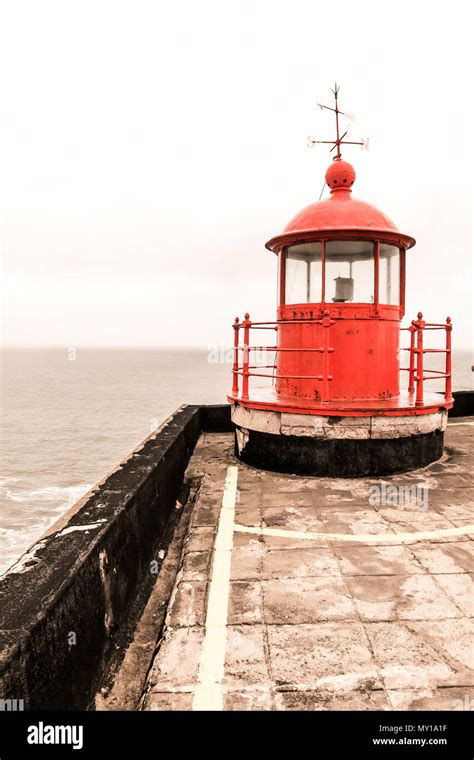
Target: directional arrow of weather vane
[336, 144]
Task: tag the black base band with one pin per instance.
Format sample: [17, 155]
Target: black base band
[302, 455]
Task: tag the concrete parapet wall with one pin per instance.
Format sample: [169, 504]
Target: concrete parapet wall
[463, 404]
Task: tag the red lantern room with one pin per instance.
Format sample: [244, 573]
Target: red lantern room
[335, 406]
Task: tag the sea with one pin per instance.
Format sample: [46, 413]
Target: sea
[68, 416]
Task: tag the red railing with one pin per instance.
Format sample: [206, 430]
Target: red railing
[416, 369]
[418, 373]
[245, 369]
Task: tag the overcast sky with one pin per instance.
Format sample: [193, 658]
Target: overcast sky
[148, 150]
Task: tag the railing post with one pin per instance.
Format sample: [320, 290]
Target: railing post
[326, 323]
[411, 373]
[448, 395]
[235, 366]
[245, 382]
[419, 359]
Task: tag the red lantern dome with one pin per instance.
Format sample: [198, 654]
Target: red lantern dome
[341, 212]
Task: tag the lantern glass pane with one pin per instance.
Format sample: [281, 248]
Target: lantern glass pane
[280, 254]
[389, 274]
[349, 271]
[303, 274]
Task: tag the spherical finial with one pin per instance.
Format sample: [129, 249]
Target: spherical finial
[340, 175]
[247, 315]
[420, 315]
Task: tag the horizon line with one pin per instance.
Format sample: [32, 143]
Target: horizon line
[146, 346]
[105, 346]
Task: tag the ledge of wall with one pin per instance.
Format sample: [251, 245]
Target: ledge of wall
[463, 404]
[216, 418]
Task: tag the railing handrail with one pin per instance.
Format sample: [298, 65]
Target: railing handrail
[276, 348]
[245, 371]
[418, 351]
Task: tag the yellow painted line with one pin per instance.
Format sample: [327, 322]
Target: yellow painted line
[366, 538]
[208, 694]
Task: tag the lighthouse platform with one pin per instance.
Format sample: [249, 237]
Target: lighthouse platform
[333, 599]
[193, 581]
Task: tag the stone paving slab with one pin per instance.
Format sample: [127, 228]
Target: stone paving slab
[451, 557]
[378, 560]
[362, 619]
[401, 597]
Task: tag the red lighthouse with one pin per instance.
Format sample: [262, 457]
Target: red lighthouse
[336, 405]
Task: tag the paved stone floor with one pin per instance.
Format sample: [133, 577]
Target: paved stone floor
[373, 611]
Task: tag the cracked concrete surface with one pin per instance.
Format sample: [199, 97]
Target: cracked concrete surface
[326, 624]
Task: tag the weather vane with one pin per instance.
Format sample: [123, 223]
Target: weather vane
[364, 143]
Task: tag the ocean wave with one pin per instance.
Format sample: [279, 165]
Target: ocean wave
[14, 541]
[65, 496]
[4, 479]
[9, 537]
